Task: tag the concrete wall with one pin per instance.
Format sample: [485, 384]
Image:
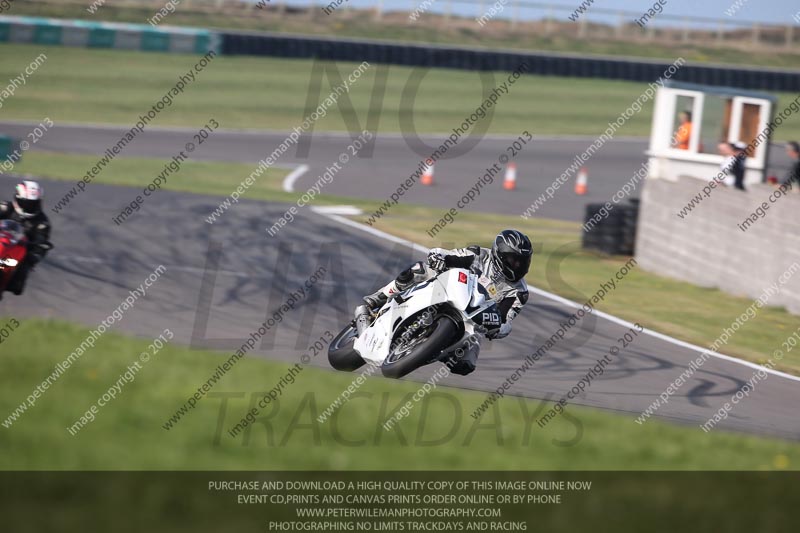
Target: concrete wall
[707, 247]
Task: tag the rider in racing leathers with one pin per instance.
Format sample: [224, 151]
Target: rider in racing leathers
[26, 208]
[501, 270]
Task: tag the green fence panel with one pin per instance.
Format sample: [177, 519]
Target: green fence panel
[155, 41]
[46, 34]
[101, 38]
[94, 34]
[201, 43]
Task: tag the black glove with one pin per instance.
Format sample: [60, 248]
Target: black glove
[437, 262]
[499, 333]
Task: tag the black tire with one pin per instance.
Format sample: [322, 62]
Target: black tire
[341, 354]
[442, 335]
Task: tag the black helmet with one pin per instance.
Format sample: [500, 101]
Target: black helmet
[511, 254]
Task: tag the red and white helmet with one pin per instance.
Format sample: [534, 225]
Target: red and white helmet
[28, 199]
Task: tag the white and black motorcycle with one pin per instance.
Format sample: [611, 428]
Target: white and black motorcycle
[441, 319]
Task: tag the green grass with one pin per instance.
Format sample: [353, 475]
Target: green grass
[74, 85]
[432, 28]
[203, 177]
[127, 433]
[676, 308]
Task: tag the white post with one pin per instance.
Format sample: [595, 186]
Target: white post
[548, 26]
[582, 27]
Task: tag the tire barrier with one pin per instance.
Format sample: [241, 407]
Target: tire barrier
[614, 234]
[543, 64]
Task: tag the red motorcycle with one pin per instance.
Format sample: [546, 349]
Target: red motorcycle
[13, 247]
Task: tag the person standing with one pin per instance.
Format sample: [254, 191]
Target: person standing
[738, 168]
[684, 133]
[793, 151]
[726, 167]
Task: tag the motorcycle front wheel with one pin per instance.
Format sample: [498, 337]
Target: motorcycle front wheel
[420, 350]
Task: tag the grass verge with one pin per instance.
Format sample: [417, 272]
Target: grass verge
[202, 177]
[127, 432]
[73, 85]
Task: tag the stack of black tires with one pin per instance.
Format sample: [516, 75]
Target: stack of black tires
[614, 234]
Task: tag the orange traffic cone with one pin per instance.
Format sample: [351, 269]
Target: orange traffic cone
[427, 175]
[510, 181]
[580, 182]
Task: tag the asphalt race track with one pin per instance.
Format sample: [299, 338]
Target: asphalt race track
[96, 263]
[394, 160]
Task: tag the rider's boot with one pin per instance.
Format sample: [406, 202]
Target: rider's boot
[372, 301]
[377, 299]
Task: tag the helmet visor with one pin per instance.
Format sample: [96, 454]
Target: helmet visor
[30, 207]
[515, 265]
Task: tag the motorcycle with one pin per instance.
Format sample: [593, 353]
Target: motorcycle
[436, 320]
[13, 248]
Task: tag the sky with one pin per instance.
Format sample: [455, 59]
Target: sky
[744, 12]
